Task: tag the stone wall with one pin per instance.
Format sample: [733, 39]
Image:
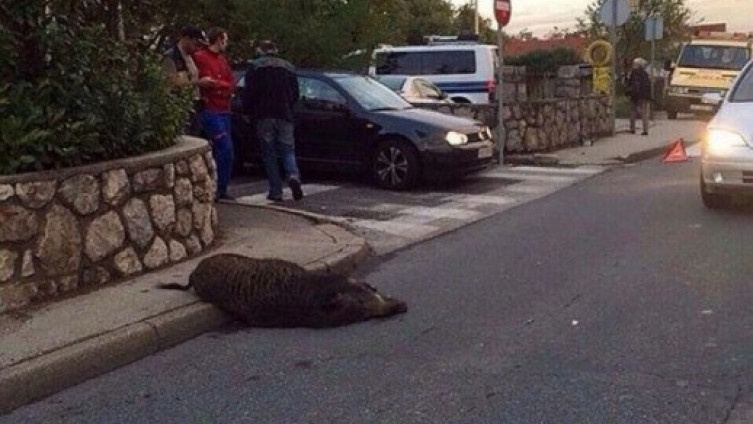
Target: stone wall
[73, 229]
[542, 125]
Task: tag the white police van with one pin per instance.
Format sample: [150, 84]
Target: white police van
[465, 71]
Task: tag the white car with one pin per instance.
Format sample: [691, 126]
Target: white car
[415, 90]
[727, 149]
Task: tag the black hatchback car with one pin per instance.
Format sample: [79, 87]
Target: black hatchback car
[352, 123]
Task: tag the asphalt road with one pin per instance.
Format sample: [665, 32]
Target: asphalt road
[617, 300]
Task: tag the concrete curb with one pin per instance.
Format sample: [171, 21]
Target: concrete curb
[51, 372]
[54, 371]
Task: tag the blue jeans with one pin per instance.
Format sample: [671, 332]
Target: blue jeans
[216, 126]
[277, 145]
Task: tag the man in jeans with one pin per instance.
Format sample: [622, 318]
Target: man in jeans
[270, 93]
[215, 117]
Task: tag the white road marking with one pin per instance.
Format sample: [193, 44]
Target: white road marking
[694, 151]
[440, 212]
[508, 175]
[402, 229]
[474, 199]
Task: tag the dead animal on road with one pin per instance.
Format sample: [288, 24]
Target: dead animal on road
[278, 293]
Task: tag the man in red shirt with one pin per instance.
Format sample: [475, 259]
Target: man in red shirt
[215, 118]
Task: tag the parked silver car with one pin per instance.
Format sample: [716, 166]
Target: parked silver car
[727, 149]
[416, 90]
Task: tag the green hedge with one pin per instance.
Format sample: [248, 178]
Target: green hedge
[71, 94]
[545, 61]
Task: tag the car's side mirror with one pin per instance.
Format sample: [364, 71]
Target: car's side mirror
[711, 98]
[668, 65]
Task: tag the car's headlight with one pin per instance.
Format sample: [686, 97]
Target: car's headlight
[721, 141]
[456, 138]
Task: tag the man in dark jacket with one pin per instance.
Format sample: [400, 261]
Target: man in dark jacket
[270, 93]
[181, 70]
[639, 89]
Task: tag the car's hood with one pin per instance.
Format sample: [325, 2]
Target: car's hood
[434, 119]
[735, 117]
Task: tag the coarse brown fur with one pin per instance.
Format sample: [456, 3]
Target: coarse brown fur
[278, 293]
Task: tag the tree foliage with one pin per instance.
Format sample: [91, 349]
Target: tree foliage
[631, 36]
[81, 81]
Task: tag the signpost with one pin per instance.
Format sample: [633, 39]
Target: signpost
[613, 13]
[502, 11]
[654, 31]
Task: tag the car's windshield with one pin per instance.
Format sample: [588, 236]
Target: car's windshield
[743, 90]
[370, 94]
[713, 56]
[393, 83]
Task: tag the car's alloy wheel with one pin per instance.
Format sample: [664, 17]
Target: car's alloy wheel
[395, 165]
[713, 200]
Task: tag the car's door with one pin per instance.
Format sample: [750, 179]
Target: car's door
[325, 129]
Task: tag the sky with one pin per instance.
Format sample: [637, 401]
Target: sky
[540, 16]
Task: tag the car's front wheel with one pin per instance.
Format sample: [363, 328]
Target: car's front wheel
[713, 200]
[395, 165]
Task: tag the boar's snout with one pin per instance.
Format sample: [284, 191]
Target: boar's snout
[378, 305]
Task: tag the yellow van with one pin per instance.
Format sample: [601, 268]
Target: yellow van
[707, 64]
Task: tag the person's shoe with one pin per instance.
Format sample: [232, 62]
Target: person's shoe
[644, 133]
[274, 198]
[295, 187]
[226, 197]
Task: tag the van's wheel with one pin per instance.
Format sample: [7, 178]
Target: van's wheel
[395, 165]
[671, 113]
[713, 200]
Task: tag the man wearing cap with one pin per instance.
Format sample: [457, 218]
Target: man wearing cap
[181, 69]
[215, 118]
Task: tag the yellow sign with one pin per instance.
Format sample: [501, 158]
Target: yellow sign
[598, 53]
[602, 82]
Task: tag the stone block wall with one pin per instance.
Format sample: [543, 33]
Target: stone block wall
[542, 125]
[78, 228]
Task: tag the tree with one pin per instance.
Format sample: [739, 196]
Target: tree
[464, 20]
[631, 42]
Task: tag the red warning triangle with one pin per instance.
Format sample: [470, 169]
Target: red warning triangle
[675, 153]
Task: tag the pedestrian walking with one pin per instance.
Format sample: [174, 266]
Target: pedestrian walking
[215, 117]
[180, 69]
[639, 90]
[270, 93]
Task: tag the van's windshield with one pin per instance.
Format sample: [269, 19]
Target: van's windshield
[713, 56]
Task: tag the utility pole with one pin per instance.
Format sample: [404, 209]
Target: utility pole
[475, 16]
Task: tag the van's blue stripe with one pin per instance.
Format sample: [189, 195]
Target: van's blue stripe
[462, 87]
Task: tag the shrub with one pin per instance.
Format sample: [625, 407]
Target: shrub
[87, 97]
[543, 61]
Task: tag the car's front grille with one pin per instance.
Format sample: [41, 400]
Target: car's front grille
[479, 136]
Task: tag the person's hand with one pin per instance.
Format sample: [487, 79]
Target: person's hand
[206, 82]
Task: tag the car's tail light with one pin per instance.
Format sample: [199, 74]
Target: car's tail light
[491, 88]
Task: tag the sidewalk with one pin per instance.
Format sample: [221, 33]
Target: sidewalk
[66, 342]
[624, 147]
